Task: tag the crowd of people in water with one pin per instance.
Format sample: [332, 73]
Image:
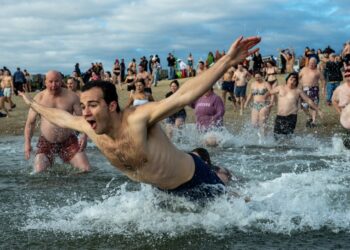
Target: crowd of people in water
[322, 75]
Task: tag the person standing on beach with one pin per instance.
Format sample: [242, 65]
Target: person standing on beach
[8, 89]
[55, 140]
[311, 78]
[147, 78]
[228, 86]
[132, 139]
[241, 78]
[290, 59]
[19, 81]
[171, 66]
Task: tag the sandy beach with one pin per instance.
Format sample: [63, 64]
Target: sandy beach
[14, 124]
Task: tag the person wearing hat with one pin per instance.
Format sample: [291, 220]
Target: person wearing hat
[288, 96]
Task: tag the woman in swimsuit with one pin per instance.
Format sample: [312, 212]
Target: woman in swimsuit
[261, 105]
[271, 74]
[139, 97]
[130, 80]
[116, 74]
[176, 120]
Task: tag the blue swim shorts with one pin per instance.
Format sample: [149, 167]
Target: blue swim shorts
[205, 184]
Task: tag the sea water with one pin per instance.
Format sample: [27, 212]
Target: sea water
[299, 191]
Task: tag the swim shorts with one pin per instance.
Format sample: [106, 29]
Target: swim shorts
[66, 150]
[240, 91]
[205, 184]
[285, 125]
[346, 138]
[313, 94]
[227, 86]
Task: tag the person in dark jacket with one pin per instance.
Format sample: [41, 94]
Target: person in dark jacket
[333, 76]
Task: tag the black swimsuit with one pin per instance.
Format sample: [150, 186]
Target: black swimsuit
[205, 184]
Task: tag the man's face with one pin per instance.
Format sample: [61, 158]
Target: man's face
[173, 87]
[95, 110]
[258, 78]
[53, 82]
[292, 81]
[312, 63]
[71, 84]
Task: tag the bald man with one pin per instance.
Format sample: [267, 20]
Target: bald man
[53, 139]
[310, 78]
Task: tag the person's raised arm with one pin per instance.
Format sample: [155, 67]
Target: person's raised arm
[192, 89]
[60, 118]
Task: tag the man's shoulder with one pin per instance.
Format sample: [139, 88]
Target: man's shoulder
[39, 96]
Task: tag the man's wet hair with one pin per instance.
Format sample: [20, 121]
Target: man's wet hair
[203, 154]
[108, 89]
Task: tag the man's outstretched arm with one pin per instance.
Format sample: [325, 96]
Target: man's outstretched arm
[192, 89]
[60, 118]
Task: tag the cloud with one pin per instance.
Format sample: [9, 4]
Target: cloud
[42, 35]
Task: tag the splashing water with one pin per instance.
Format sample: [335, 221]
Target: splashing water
[294, 187]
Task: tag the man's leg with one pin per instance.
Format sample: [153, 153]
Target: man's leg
[80, 162]
[41, 163]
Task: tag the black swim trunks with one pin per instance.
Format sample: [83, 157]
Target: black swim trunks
[205, 184]
[346, 138]
[285, 125]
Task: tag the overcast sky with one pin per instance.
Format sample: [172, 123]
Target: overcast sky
[43, 34]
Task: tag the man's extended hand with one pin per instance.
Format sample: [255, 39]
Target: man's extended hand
[240, 49]
[26, 99]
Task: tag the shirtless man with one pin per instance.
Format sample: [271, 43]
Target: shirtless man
[287, 108]
[133, 141]
[54, 139]
[228, 86]
[8, 89]
[341, 101]
[147, 77]
[72, 84]
[290, 59]
[200, 68]
[241, 78]
[310, 78]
